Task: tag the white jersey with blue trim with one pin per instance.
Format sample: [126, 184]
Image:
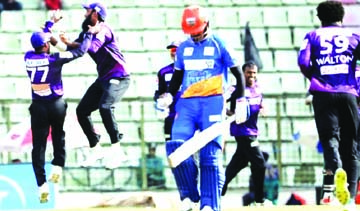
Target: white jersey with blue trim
[205, 65]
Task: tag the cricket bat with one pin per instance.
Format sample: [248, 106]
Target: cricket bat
[198, 141]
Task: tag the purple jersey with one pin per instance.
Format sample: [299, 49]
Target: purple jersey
[110, 62]
[164, 76]
[249, 128]
[328, 58]
[44, 70]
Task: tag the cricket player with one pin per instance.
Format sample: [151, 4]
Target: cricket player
[164, 76]
[111, 84]
[248, 147]
[48, 108]
[201, 67]
[327, 58]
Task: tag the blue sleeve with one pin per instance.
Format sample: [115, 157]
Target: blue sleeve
[48, 25]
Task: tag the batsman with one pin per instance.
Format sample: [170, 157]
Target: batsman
[201, 72]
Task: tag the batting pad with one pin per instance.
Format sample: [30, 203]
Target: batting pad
[172, 145]
[212, 177]
[185, 174]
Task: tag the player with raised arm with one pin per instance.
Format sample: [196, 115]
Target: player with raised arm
[48, 108]
[201, 69]
[164, 76]
[111, 84]
[327, 58]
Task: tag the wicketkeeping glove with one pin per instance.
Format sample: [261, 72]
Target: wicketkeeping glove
[242, 110]
[161, 113]
[164, 101]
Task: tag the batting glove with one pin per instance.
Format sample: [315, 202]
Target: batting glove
[161, 113]
[164, 101]
[242, 110]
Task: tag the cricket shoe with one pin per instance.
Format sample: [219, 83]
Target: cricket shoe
[265, 203]
[96, 154]
[116, 157]
[350, 206]
[187, 205]
[207, 208]
[341, 190]
[44, 193]
[56, 173]
[329, 199]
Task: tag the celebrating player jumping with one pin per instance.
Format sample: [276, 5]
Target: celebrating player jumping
[111, 84]
[48, 109]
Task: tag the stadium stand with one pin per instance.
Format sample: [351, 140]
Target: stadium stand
[130, 41]
[148, 40]
[275, 16]
[270, 82]
[306, 14]
[269, 2]
[280, 38]
[12, 17]
[260, 36]
[293, 83]
[12, 43]
[295, 107]
[231, 37]
[254, 15]
[267, 57]
[30, 5]
[286, 65]
[302, 3]
[172, 17]
[225, 18]
[72, 20]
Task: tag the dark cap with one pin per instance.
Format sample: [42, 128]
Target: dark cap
[152, 145]
[173, 44]
[39, 39]
[98, 7]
